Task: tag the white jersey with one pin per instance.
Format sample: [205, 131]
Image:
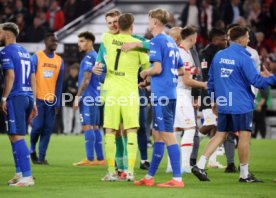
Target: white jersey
[184, 112]
[188, 65]
[256, 58]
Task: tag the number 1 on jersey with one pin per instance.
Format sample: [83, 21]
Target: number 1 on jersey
[117, 59]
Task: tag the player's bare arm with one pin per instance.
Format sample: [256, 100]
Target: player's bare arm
[180, 71]
[9, 80]
[97, 69]
[86, 79]
[156, 69]
[191, 82]
[130, 46]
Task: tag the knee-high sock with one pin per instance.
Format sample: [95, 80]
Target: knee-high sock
[99, 144]
[120, 153]
[23, 154]
[132, 148]
[187, 147]
[174, 153]
[157, 155]
[177, 135]
[229, 146]
[110, 150]
[125, 158]
[195, 149]
[15, 157]
[89, 144]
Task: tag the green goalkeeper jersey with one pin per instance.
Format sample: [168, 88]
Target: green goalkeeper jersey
[122, 67]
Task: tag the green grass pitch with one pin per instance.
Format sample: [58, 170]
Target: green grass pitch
[61, 179]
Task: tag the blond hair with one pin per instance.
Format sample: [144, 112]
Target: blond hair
[113, 13]
[160, 14]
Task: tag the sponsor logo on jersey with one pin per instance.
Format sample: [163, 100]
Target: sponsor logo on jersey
[49, 65]
[227, 61]
[225, 73]
[48, 74]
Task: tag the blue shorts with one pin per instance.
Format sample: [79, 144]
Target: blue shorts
[89, 114]
[19, 109]
[163, 116]
[235, 122]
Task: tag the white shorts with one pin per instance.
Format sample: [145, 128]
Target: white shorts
[184, 111]
[209, 117]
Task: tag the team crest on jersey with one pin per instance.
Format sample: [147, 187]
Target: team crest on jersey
[225, 73]
[48, 74]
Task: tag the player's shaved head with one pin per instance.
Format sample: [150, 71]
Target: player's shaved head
[125, 21]
[175, 34]
[160, 14]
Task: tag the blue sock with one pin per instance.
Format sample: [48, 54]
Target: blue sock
[174, 154]
[157, 155]
[16, 162]
[99, 144]
[23, 155]
[89, 144]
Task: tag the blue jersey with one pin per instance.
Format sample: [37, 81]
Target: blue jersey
[86, 65]
[17, 58]
[231, 75]
[163, 49]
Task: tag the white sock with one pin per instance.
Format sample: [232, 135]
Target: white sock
[18, 174]
[213, 157]
[25, 179]
[178, 178]
[202, 162]
[148, 177]
[169, 166]
[187, 142]
[143, 161]
[177, 135]
[244, 171]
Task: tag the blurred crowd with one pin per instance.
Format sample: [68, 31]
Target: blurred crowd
[258, 15]
[37, 17]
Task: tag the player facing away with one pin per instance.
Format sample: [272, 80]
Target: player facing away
[166, 63]
[17, 101]
[231, 73]
[184, 114]
[49, 69]
[86, 100]
[121, 95]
